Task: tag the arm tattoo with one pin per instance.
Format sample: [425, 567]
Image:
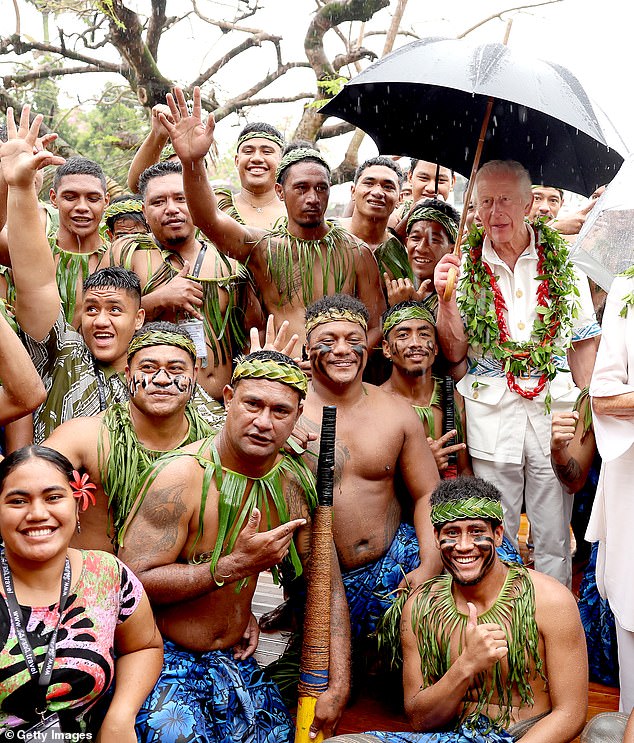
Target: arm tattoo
[164, 511]
[569, 472]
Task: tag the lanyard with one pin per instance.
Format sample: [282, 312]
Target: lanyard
[43, 677]
[199, 260]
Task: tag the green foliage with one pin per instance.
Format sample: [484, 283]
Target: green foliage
[110, 132]
[329, 87]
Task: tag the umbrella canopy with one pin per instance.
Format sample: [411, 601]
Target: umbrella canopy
[428, 99]
[605, 244]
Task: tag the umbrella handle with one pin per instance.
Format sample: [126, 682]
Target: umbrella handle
[451, 280]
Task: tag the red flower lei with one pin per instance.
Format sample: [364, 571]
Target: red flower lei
[543, 300]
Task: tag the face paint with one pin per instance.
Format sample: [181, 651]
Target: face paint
[482, 551]
[359, 349]
[182, 382]
[133, 386]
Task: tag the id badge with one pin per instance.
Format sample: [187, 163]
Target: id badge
[46, 731]
[196, 329]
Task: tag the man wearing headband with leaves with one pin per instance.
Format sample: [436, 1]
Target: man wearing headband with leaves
[432, 230]
[492, 651]
[118, 447]
[409, 342]
[380, 441]
[300, 260]
[124, 216]
[209, 519]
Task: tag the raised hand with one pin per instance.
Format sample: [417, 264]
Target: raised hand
[274, 341]
[402, 290]
[485, 644]
[441, 452]
[255, 551]
[190, 137]
[24, 153]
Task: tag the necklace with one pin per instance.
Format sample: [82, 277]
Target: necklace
[258, 209]
[483, 304]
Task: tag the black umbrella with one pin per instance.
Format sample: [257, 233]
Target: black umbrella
[428, 99]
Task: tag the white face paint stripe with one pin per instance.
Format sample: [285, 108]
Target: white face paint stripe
[182, 382]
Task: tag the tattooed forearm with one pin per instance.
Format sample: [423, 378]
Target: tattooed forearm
[568, 473]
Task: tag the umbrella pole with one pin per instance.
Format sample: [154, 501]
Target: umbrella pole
[451, 276]
[314, 667]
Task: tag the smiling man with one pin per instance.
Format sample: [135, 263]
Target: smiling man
[118, 447]
[521, 312]
[259, 152]
[409, 342]
[80, 195]
[380, 441]
[492, 651]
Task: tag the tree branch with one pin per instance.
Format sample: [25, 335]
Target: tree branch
[18, 46]
[255, 40]
[156, 26]
[355, 55]
[225, 26]
[335, 130]
[238, 101]
[504, 12]
[237, 106]
[45, 73]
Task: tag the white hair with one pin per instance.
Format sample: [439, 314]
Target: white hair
[509, 168]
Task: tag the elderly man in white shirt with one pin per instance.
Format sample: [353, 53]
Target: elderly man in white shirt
[612, 391]
[521, 310]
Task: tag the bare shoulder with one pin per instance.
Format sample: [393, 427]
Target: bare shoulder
[399, 413]
[77, 434]
[554, 603]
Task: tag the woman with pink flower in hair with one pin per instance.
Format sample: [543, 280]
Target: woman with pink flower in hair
[66, 614]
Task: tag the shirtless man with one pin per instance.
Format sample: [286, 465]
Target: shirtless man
[490, 649]
[184, 279]
[118, 447]
[297, 263]
[197, 543]
[378, 438]
[409, 342]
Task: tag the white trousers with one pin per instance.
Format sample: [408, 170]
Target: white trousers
[548, 506]
[625, 642]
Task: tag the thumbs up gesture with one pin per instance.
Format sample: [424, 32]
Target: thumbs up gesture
[485, 643]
